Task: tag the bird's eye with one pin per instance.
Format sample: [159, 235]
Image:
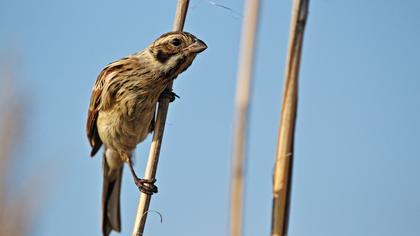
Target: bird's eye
[176, 42]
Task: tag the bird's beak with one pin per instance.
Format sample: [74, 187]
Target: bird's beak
[197, 47]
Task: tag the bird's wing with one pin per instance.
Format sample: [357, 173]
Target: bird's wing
[102, 98]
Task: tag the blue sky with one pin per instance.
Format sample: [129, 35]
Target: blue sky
[357, 153]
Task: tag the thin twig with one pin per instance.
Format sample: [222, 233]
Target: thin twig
[243, 93]
[150, 171]
[284, 158]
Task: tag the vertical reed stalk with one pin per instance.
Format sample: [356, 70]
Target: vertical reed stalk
[150, 171]
[284, 157]
[243, 93]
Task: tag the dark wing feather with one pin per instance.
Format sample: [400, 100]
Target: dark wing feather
[96, 103]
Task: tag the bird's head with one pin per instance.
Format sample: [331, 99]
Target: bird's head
[175, 51]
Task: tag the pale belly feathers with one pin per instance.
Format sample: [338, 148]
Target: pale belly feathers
[126, 124]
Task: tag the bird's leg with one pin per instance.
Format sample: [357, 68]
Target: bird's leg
[168, 93]
[146, 186]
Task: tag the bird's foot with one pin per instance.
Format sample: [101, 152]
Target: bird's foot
[147, 186]
[168, 93]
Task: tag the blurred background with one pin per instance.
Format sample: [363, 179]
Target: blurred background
[357, 154]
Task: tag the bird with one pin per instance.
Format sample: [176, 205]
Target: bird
[122, 111]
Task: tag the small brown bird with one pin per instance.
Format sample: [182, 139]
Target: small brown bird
[122, 110]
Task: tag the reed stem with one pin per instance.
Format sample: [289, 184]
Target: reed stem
[284, 158]
[152, 162]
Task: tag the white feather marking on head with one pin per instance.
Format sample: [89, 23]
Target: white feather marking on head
[170, 63]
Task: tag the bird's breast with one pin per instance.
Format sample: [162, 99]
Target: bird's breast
[127, 123]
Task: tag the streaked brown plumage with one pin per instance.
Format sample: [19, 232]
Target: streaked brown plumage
[122, 109]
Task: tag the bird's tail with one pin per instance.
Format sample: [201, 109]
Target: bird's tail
[111, 216]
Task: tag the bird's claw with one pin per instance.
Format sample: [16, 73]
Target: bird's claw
[147, 186]
[168, 94]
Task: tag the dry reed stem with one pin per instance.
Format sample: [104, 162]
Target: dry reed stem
[15, 211]
[284, 157]
[152, 163]
[243, 93]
